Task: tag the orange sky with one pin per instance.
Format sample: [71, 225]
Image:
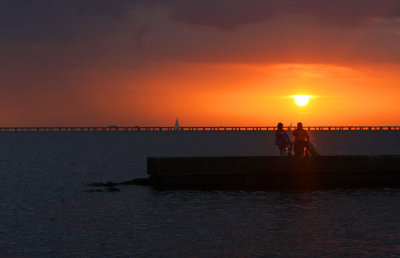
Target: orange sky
[257, 94]
[209, 63]
[213, 94]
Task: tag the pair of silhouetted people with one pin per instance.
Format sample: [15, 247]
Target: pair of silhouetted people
[301, 141]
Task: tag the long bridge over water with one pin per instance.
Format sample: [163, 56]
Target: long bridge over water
[190, 128]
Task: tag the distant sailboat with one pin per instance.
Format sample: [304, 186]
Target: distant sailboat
[176, 127]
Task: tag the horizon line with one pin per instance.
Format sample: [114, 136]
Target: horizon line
[114, 128]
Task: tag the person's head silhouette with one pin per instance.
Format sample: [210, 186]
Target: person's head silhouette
[299, 125]
[280, 126]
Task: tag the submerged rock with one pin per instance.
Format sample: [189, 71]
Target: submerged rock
[108, 184]
[111, 185]
[113, 189]
[109, 189]
[136, 181]
[94, 191]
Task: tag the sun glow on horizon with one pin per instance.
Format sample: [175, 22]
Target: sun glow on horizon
[252, 94]
[301, 100]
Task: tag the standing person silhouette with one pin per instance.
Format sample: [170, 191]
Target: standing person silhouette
[301, 140]
[283, 141]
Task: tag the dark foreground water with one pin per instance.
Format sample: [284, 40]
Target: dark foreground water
[141, 222]
[45, 210]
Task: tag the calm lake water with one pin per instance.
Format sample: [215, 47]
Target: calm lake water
[46, 210]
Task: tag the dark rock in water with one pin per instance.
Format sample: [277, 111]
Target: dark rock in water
[108, 184]
[113, 189]
[93, 191]
[95, 184]
[110, 189]
[130, 182]
[137, 181]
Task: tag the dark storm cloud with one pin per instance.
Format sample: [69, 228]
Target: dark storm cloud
[41, 20]
[231, 13]
[39, 37]
[38, 20]
[72, 33]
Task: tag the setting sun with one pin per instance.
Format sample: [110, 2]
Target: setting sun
[301, 100]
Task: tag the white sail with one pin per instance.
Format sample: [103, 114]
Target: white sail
[176, 127]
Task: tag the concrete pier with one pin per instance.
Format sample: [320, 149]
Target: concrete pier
[274, 173]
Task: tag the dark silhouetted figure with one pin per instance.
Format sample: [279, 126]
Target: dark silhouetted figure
[282, 140]
[301, 140]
